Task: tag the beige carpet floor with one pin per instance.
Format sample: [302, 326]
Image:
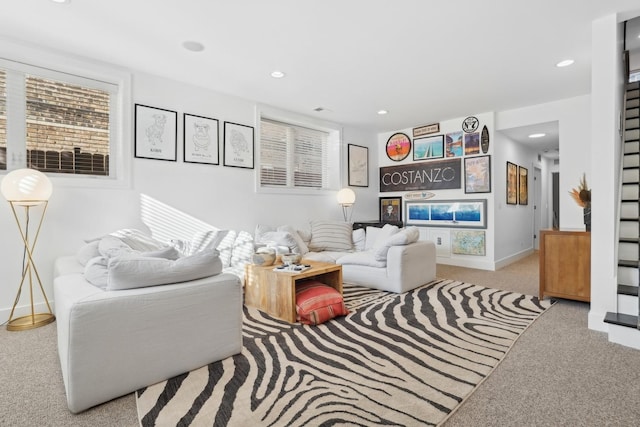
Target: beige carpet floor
[559, 373]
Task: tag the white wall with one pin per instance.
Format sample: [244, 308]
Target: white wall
[514, 223]
[607, 91]
[222, 196]
[574, 134]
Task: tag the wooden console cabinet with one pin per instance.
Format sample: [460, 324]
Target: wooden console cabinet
[565, 264]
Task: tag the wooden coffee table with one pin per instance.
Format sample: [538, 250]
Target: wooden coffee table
[274, 292]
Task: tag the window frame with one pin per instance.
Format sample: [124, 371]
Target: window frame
[334, 153]
[52, 64]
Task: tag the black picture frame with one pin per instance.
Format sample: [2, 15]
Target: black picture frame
[358, 161]
[512, 184]
[523, 185]
[390, 216]
[477, 174]
[200, 139]
[428, 147]
[155, 133]
[239, 145]
[398, 146]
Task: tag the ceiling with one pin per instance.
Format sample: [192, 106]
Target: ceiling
[423, 61]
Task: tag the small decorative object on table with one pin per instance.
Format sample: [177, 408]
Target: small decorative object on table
[582, 196]
[291, 258]
[264, 256]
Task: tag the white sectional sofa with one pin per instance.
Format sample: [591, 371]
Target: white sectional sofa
[387, 258]
[113, 341]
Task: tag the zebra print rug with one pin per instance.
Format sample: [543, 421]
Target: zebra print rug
[397, 359]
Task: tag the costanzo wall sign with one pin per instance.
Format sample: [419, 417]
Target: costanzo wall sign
[433, 175]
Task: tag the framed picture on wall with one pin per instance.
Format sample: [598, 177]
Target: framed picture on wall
[358, 159]
[523, 185]
[465, 213]
[398, 146]
[390, 209]
[477, 174]
[429, 147]
[512, 184]
[156, 133]
[200, 139]
[238, 145]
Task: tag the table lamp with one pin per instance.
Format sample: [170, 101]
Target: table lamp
[346, 198]
[28, 188]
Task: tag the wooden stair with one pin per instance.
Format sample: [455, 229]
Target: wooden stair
[628, 310]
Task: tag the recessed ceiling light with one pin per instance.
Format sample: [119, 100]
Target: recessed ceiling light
[382, 112]
[277, 74]
[565, 63]
[193, 46]
[537, 135]
[61, 1]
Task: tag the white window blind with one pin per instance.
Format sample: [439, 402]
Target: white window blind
[3, 120]
[293, 156]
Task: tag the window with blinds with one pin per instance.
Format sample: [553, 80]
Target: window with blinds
[3, 120]
[58, 123]
[293, 156]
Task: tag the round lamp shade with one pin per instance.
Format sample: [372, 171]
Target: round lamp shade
[26, 187]
[346, 196]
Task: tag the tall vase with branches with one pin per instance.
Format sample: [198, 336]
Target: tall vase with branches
[582, 196]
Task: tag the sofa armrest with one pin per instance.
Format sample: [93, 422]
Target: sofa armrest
[128, 339]
[411, 265]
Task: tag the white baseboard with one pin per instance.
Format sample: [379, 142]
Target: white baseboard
[628, 337]
[595, 321]
[513, 258]
[466, 262]
[24, 310]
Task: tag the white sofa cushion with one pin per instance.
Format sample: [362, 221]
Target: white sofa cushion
[331, 236]
[131, 271]
[324, 256]
[362, 258]
[402, 237]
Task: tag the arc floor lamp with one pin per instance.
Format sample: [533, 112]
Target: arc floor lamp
[28, 188]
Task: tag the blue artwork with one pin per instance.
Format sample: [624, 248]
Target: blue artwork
[442, 212]
[419, 212]
[468, 212]
[448, 213]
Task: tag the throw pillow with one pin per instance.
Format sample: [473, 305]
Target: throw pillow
[96, 273]
[403, 237]
[87, 252]
[111, 246]
[385, 232]
[331, 236]
[134, 271]
[203, 240]
[316, 303]
[372, 234]
[138, 240]
[301, 246]
[359, 239]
